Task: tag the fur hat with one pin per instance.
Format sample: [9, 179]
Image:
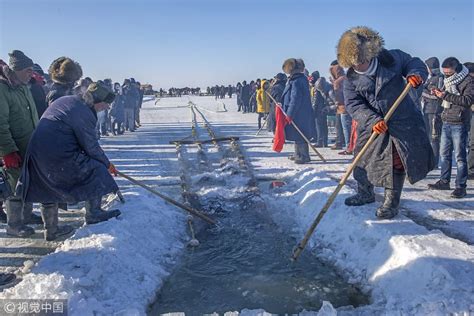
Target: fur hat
[64, 70]
[358, 45]
[293, 65]
[101, 93]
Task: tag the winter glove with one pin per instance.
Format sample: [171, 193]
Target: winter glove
[415, 80]
[288, 119]
[113, 170]
[12, 160]
[380, 127]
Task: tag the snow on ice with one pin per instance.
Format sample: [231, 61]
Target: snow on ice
[117, 267]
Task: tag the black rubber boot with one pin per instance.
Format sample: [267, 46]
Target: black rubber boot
[95, 214]
[15, 225]
[389, 208]
[365, 195]
[29, 217]
[49, 212]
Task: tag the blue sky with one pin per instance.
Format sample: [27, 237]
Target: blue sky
[200, 43]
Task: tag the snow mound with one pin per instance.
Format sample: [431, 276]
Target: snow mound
[406, 268]
[111, 267]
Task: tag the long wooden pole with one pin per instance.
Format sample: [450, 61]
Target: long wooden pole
[297, 129]
[168, 199]
[300, 247]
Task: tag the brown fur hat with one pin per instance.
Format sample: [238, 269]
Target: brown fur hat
[64, 70]
[293, 65]
[358, 45]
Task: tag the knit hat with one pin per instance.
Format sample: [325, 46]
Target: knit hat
[315, 75]
[100, 93]
[358, 45]
[19, 61]
[64, 70]
[432, 63]
[37, 68]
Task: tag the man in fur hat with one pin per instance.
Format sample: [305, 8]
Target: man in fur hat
[375, 79]
[296, 101]
[64, 73]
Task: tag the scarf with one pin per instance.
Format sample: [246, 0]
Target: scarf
[372, 68]
[450, 84]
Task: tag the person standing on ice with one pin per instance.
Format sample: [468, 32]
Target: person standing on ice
[457, 98]
[263, 101]
[278, 86]
[245, 96]
[64, 161]
[297, 105]
[64, 73]
[432, 105]
[375, 79]
[18, 120]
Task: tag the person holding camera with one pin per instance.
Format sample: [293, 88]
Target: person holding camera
[432, 105]
[457, 98]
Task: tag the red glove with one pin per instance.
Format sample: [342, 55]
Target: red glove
[415, 80]
[288, 119]
[113, 170]
[12, 160]
[380, 127]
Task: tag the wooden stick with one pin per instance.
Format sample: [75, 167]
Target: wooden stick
[205, 141]
[168, 199]
[263, 125]
[297, 129]
[300, 247]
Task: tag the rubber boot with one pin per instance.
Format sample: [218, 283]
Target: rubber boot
[49, 212]
[365, 189]
[365, 195]
[29, 217]
[15, 225]
[95, 214]
[389, 208]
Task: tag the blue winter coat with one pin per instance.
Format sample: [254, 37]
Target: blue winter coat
[117, 110]
[297, 104]
[64, 161]
[368, 99]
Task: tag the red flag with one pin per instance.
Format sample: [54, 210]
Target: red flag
[279, 138]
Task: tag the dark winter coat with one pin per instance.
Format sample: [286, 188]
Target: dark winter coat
[245, 95]
[58, 90]
[131, 97]
[18, 119]
[368, 100]
[431, 104]
[297, 104]
[117, 110]
[64, 161]
[460, 111]
[276, 92]
[39, 97]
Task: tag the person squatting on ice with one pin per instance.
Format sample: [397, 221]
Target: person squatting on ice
[375, 78]
[64, 161]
